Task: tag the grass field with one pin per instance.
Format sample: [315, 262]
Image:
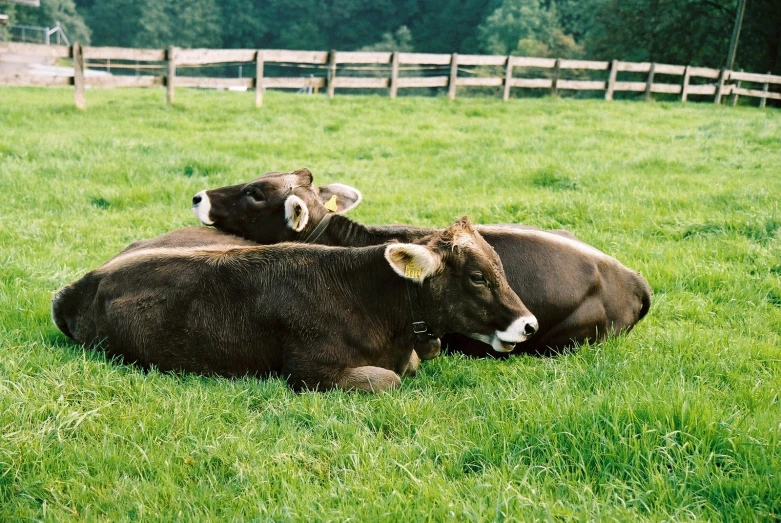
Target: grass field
[679, 420]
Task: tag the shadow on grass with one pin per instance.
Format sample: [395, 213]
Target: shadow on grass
[473, 349]
[76, 351]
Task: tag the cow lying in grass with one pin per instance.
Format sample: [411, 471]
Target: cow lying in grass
[322, 317]
[577, 292]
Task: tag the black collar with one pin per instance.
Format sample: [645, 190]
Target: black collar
[419, 325]
[318, 231]
[427, 344]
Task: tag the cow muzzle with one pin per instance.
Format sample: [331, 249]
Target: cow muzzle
[201, 207]
[519, 331]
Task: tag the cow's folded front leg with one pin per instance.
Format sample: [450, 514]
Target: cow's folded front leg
[368, 378]
[322, 377]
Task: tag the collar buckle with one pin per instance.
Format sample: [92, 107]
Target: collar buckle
[419, 327]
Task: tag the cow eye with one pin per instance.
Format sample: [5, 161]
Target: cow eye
[478, 278]
[255, 195]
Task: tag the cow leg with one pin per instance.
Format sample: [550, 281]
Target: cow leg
[413, 365]
[368, 378]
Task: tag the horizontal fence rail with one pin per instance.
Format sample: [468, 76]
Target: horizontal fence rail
[381, 70]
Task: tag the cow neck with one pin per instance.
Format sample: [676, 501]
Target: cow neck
[343, 232]
[335, 229]
[390, 294]
[318, 231]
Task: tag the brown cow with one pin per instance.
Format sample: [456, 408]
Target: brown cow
[322, 317]
[577, 292]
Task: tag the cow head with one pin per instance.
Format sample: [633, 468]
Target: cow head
[468, 288]
[274, 208]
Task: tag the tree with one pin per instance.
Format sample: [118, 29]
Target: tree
[401, 41]
[676, 31]
[331, 24]
[114, 22]
[673, 31]
[525, 27]
[560, 46]
[195, 23]
[446, 26]
[243, 25]
[693, 32]
[759, 49]
[52, 11]
[154, 26]
[155, 23]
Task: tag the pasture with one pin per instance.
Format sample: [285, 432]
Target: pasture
[680, 419]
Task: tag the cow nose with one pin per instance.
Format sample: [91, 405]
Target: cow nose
[197, 199]
[519, 330]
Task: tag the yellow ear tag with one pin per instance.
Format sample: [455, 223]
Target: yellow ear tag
[412, 271]
[296, 221]
[331, 204]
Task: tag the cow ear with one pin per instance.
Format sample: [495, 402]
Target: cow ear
[304, 176]
[414, 262]
[296, 213]
[340, 198]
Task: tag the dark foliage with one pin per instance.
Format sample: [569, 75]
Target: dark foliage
[671, 31]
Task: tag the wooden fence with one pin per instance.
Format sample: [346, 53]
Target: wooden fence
[718, 83]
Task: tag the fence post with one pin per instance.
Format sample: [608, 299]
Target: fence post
[77, 53]
[331, 73]
[451, 86]
[554, 88]
[508, 76]
[719, 86]
[685, 85]
[650, 82]
[259, 78]
[171, 78]
[394, 81]
[765, 89]
[735, 95]
[611, 80]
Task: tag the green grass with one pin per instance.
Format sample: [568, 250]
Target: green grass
[679, 420]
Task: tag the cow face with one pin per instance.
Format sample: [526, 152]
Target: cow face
[274, 208]
[468, 287]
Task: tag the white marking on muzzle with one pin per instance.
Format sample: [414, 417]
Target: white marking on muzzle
[202, 208]
[519, 331]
